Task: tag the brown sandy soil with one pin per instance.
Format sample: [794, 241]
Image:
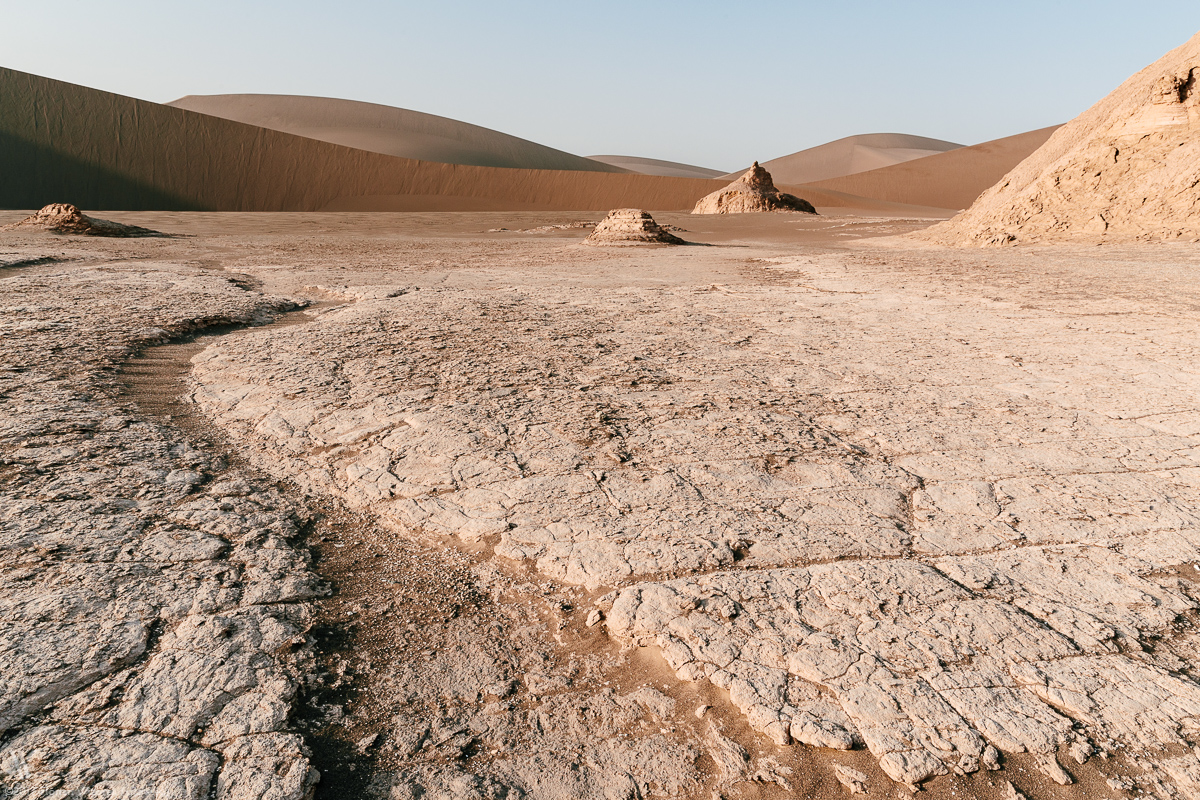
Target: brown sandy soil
[978, 468]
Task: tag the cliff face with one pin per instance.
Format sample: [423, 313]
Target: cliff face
[1126, 169]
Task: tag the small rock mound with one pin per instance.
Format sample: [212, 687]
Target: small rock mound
[66, 218]
[753, 192]
[630, 226]
[1127, 169]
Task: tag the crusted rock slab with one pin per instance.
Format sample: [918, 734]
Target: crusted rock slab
[65, 218]
[151, 600]
[1126, 169]
[751, 193]
[630, 226]
[936, 559]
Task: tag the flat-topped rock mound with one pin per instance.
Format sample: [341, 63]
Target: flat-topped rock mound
[67, 219]
[1124, 170]
[753, 192]
[630, 226]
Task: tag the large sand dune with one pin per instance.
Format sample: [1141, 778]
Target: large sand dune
[849, 155]
[655, 166]
[951, 180]
[387, 130]
[60, 141]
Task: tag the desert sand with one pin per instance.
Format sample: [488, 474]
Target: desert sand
[850, 155]
[390, 131]
[101, 150]
[655, 166]
[448, 504]
[953, 179]
[752, 192]
[1124, 170]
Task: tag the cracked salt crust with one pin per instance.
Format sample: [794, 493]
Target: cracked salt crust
[927, 523]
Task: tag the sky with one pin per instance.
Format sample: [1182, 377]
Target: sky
[706, 83]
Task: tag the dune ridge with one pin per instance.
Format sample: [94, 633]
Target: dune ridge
[656, 166]
[61, 142]
[850, 155]
[387, 130]
[950, 180]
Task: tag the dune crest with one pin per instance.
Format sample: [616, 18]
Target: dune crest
[753, 192]
[851, 155]
[1124, 170]
[391, 131]
[656, 166]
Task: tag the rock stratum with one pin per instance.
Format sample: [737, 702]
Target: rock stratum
[630, 226]
[753, 192]
[1127, 169]
[65, 218]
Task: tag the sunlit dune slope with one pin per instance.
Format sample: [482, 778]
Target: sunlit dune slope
[946, 180]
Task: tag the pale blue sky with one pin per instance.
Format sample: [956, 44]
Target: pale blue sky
[715, 84]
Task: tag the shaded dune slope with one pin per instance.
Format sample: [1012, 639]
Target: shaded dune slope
[387, 130]
[950, 180]
[850, 155]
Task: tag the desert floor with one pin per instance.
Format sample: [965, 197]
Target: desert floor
[469, 509]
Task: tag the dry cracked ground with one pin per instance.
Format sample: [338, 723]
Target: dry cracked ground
[806, 512]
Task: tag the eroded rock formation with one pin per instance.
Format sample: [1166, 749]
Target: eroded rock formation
[753, 192]
[67, 219]
[1126, 169]
[624, 226]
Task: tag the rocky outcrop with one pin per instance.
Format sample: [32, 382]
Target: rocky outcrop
[1125, 170]
[753, 192]
[625, 226]
[67, 219]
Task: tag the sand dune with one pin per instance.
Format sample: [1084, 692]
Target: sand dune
[387, 130]
[654, 166]
[60, 142]
[950, 180]
[852, 154]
